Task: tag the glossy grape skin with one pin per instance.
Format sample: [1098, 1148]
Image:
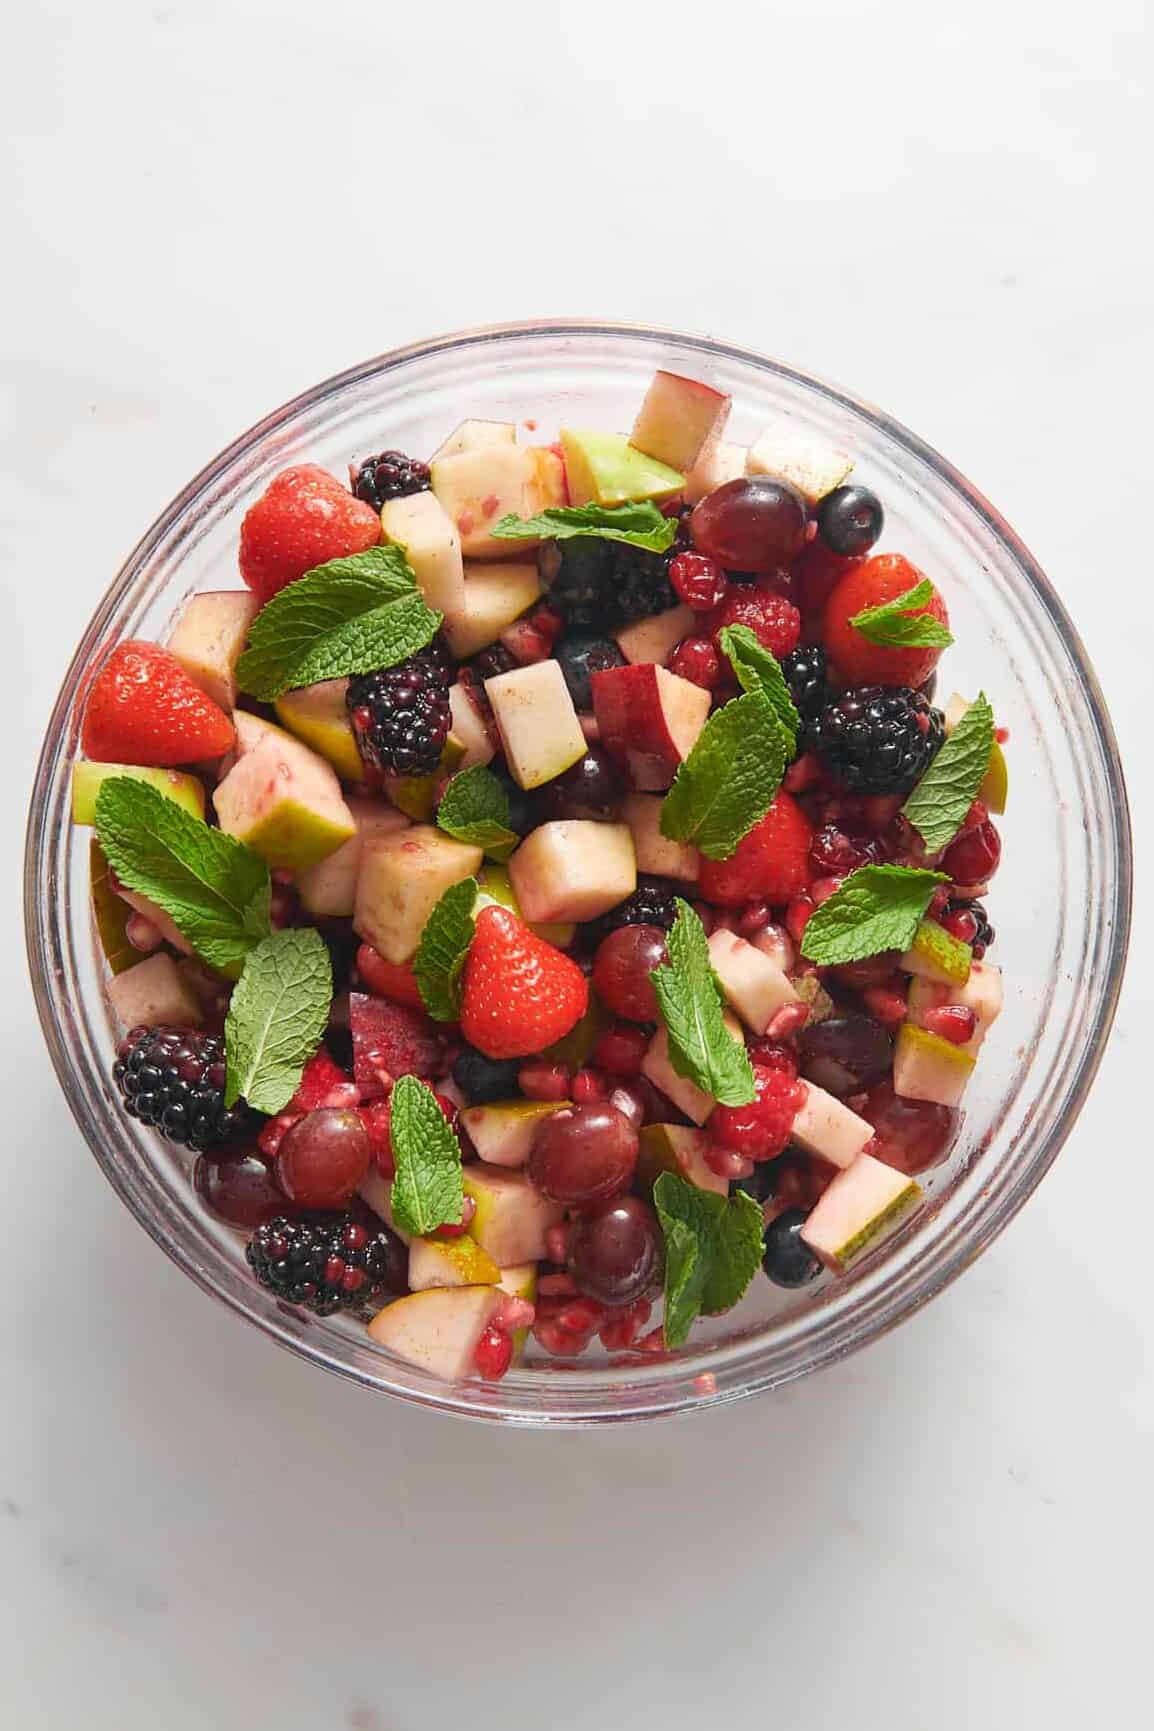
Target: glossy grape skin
[845, 1053]
[622, 970]
[787, 1259]
[584, 1154]
[911, 1135]
[591, 789]
[615, 1251]
[754, 523]
[243, 1193]
[323, 1158]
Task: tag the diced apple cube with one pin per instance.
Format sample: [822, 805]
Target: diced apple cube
[827, 1128]
[208, 639]
[318, 714]
[495, 595]
[377, 1192]
[539, 726]
[329, 888]
[468, 725]
[605, 469]
[657, 856]
[649, 720]
[857, 1210]
[926, 1067]
[438, 1330]
[752, 984]
[794, 455]
[679, 1149]
[512, 1217]
[478, 487]
[678, 419]
[657, 1067]
[475, 436]
[401, 880]
[421, 527]
[154, 994]
[285, 802]
[716, 465]
[573, 869]
[654, 638]
[88, 779]
[502, 1131]
[450, 1262]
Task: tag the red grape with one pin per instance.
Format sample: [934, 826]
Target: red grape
[615, 1251]
[910, 1134]
[591, 789]
[754, 523]
[324, 1157]
[622, 968]
[845, 1053]
[583, 1154]
[240, 1192]
[974, 857]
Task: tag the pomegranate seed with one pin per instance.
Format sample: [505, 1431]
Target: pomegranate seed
[622, 1330]
[775, 942]
[548, 623]
[582, 1316]
[952, 1022]
[556, 1286]
[458, 1228]
[727, 1162]
[587, 1087]
[142, 934]
[973, 858]
[353, 1279]
[557, 1245]
[354, 1237]
[494, 1353]
[653, 1342]
[754, 919]
[334, 1269]
[1002, 735]
[886, 1004]
[539, 1081]
[977, 814]
[514, 1313]
[822, 888]
[797, 917]
[960, 924]
[697, 660]
[788, 1022]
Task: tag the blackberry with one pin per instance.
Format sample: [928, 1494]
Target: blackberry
[984, 936]
[651, 904]
[173, 1079]
[640, 582]
[878, 738]
[389, 475]
[804, 671]
[401, 714]
[328, 1263]
[576, 575]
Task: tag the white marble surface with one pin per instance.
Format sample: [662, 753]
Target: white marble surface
[943, 207]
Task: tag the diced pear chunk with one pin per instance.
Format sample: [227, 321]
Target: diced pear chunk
[329, 889]
[752, 984]
[656, 854]
[318, 714]
[926, 1067]
[401, 880]
[679, 1149]
[792, 454]
[573, 869]
[438, 1330]
[827, 1128]
[450, 1262]
[538, 724]
[605, 469]
[495, 595]
[208, 639]
[512, 1217]
[421, 527]
[154, 994]
[285, 802]
[857, 1210]
[716, 465]
[88, 779]
[468, 725]
[502, 1131]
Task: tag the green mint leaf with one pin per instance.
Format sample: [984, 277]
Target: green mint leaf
[349, 616]
[475, 809]
[946, 791]
[701, 1048]
[276, 1017]
[712, 1251]
[878, 907]
[758, 669]
[637, 525]
[442, 950]
[216, 890]
[727, 783]
[427, 1188]
[894, 625]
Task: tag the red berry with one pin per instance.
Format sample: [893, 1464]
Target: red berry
[974, 857]
[542, 1081]
[817, 571]
[859, 661]
[697, 660]
[753, 523]
[909, 1134]
[770, 864]
[519, 994]
[699, 581]
[620, 1049]
[302, 519]
[622, 971]
[774, 621]
[393, 980]
[143, 708]
[589, 1086]
[952, 1022]
[772, 1055]
[376, 1118]
[494, 1353]
[391, 1040]
[323, 1158]
[760, 1130]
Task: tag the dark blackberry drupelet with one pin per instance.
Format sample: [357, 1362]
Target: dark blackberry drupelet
[328, 1263]
[576, 577]
[389, 475]
[652, 903]
[640, 583]
[401, 714]
[173, 1079]
[804, 670]
[878, 738]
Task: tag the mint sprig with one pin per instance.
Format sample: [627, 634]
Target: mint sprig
[276, 1017]
[441, 953]
[713, 1249]
[427, 1188]
[943, 796]
[475, 809]
[727, 783]
[701, 1048]
[637, 525]
[895, 625]
[878, 907]
[347, 616]
[758, 669]
[216, 890]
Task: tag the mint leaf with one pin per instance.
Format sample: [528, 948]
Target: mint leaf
[276, 1017]
[701, 1048]
[442, 950]
[727, 783]
[946, 791]
[475, 809]
[758, 669]
[894, 625]
[712, 1251]
[878, 907]
[427, 1189]
[637, 525]
[215, 889]
[348, 616]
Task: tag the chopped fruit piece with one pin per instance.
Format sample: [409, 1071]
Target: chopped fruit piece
[208, 639]
[883, 578]
[649, 719]
[752, 524]
[251, 731]
[393, 980]
[770, 864]
[573, 870]
[512, 1217]
[926, 1067]
[981, 993]
[438, 1330]
[166, 927]
[417, 795]
[502, 1132]
[450, 1262]
[285, 802]
[520, 1281]
[656, 854]
[653, 638]
[302, 519]
[862, 1205]
[716, 465]
[318, 715]
[518, 993]
[623, 968]
[401, 880]
[752, 984]
[143, 708]
[935, 955]
[790, 454]
[605, 469]
[538, 724]
[658, 1069]
[480, 486]
[679, 1149]
[495, 595]
[154, 994]
[391, 1040]
[421, 527]
[109, 913]
[475, 436]
[329, 888]
[996, 786]
[825, 1127]
[679, 418]
[469, 729]
[88, 778]
[495, 882]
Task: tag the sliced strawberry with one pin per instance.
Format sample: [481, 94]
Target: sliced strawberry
[859, 661]
[519, 993]
[143, 708]
[771, 864]
[391, 1040]
[393, 980]
[303, 518]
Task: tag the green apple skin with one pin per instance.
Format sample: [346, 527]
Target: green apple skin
[88, 779]
[317, 714]
[605, 469]
[284, 802]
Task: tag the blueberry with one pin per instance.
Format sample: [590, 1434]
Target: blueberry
[581, 654]
[521, 813]
[482, 1079]
[787, 1260]
[759, 1185]
[850, 520]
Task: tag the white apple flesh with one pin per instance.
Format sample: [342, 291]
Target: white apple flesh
[790, 454]
[495, 595]
[654, 638]
[539, 727]
[678, 419]
[657, 856]
[208, 639]
[438, 1330]
[573, 869]
[285, 802]
[649, 720]
[154, 994]
[751, 983]
[329, 889]
[422, 528]
[857, 1210]
[827, 1128]
[478, 487]
[716, 465]
[401, 880]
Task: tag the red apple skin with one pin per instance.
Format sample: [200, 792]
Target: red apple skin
[630, 704]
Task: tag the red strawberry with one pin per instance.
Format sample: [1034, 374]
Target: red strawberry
[520, 994]
[303, 518]
[143, 708]
[771, 864]
[390, 1040]
[774, 621]
[859, 661]
[393, 980]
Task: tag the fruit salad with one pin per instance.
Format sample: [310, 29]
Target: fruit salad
[548, 897]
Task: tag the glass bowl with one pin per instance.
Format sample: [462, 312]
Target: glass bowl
[1060, 902]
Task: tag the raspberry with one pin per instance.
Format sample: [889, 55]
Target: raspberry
[401, 714]
[328, 1263]
[771, 863]
[390, 475]
[760, 1130]
[173, 1079]
[774, 621]
[696, 659]
[699, 581]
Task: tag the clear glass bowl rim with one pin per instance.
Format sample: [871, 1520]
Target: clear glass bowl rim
[691, 1382]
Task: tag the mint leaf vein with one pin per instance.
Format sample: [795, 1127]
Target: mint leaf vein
[943, 796]
[475, 809]
[712, 1251]
[443, 948]
[701, 1048]
[727, 783]
[276, 1017]
[895, 624]
[637, 525]
[427, 1189]
[878, 907]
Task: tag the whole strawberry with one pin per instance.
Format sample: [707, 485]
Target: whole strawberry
[143, 708]
[519, 993]
[870, 584]
[771, 863]
[303, 518]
